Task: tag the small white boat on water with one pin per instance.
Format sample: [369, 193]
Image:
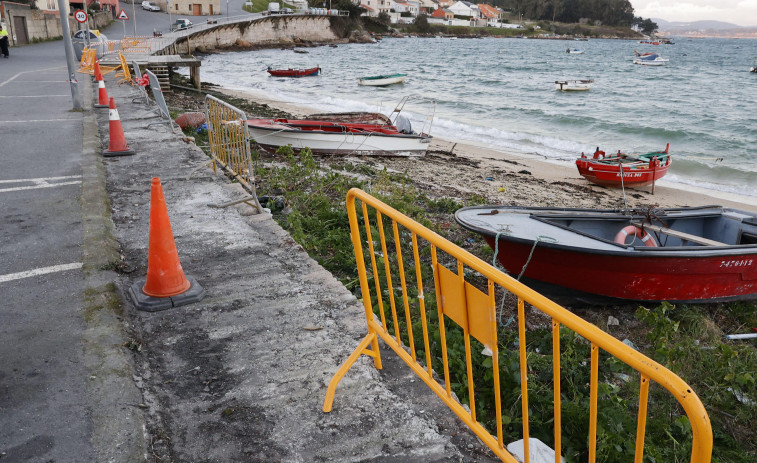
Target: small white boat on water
[575, 51]
[382, 81]
[578, 85]
[649, 59]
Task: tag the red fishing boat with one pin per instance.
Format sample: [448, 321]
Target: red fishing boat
[695, 254]
[294, 72]
[624, 170]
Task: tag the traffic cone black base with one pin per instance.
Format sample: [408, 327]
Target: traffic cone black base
[146, 303]
[111, 154]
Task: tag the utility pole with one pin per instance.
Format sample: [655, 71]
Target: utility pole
[134, 16]
[69, 48]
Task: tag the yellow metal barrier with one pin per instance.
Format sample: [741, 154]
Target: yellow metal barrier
[136, 44]
[474, 312]
[87, 64]
[229, 145]
[124, 75]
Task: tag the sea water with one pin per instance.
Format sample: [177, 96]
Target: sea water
[500, 93]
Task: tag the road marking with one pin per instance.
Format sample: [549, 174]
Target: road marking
[40, 271]
[40, 183]
[2, 84]
[30, 96]
[38, 120]
[39, 179]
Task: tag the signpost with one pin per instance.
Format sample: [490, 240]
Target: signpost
[123, 17]
[81, 17]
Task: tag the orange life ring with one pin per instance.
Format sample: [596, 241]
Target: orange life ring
[643, 235]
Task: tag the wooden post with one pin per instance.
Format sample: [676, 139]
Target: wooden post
[654, 174]
[194, 74]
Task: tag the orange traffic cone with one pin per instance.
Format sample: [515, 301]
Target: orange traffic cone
[164, 274]
[117, 145]
[102, 95]
[98, 72]
[166, 285]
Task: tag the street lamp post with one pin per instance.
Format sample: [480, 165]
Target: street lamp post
[168, 9]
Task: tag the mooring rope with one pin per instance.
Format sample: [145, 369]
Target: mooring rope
[495, 264]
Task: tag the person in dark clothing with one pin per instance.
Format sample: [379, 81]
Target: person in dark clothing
[4, 41]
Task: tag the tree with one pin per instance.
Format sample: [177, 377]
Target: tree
[384, 18]
[421, 23]
[648, 27]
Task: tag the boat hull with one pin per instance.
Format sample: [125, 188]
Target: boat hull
[580, 267]
[381, 81]
[598, 278]
[573, 85]
[609, 175]
[294, 72]
[651, 62]
[273, 136]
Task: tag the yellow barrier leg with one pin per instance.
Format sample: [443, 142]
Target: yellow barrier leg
[359, 350]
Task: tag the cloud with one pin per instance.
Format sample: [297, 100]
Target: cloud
[741, 12]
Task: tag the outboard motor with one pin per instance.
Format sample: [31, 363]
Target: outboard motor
[403, 125]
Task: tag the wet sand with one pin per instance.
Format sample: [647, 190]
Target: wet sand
[459, 169]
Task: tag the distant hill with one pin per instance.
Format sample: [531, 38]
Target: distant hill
[680, 26]
[704, 29]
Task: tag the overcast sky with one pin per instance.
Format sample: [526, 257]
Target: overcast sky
[741, 12]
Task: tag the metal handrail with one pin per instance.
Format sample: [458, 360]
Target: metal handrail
[475, 311]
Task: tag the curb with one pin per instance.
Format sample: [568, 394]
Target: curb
[118, 423]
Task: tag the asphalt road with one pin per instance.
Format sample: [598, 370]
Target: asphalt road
[149, 21]
[42, 372]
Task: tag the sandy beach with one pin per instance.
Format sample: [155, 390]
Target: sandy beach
[458, 170]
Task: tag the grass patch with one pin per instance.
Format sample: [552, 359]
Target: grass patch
[307, 196]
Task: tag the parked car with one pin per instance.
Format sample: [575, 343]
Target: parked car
[150, 6]
[181, 24]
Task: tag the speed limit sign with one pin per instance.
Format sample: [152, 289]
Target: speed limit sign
[80, 16]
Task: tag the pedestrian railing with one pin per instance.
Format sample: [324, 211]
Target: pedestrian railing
[385, 241]
[229, 144]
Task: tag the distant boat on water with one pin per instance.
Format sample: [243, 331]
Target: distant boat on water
[574, 85]
[294, 72]
[649, 59]
[575, 51]
[382, 80]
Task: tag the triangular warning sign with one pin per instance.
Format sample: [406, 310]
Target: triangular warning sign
[123, 15]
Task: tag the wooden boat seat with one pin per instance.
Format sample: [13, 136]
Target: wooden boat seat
[679, 234]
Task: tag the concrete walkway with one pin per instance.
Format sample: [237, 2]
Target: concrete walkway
[240, 376]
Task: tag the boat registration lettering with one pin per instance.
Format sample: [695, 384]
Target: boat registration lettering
[629, 174]
[736, 263]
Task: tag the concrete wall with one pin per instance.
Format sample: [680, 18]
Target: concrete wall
[44, 25]
[39, 25]
[279, 29]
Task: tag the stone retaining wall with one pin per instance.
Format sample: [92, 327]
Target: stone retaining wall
[278, 29]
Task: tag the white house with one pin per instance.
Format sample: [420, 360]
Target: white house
[465, 9]
[406, 6]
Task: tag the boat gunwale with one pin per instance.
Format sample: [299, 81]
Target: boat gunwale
[385, 76]
[625, 250]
